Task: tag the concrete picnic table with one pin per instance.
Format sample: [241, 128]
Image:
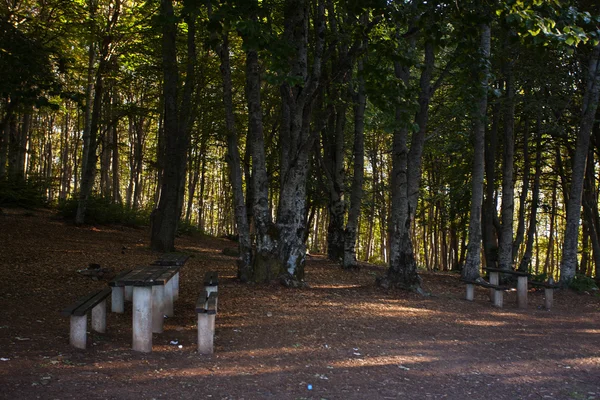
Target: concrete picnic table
[153, 295]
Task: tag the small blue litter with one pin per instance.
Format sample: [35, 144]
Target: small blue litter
[309, 387]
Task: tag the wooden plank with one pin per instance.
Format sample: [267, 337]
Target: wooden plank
[83, 306]
[115, 281]
[69, 310]
[207, 304]
[507, 271]
[142, 276]
[486, 285]
[165, 275]
[201, 302]
[211, 303]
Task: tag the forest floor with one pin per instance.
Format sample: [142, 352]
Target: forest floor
[341, 334]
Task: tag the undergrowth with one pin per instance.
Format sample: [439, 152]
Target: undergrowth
[27, 194]
[582, 283]
[102, 211]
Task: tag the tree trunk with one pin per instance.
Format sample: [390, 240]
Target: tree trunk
[402, 271]
[505, 240]
[473, 259]
[334, 163]
[550, 250]
[88, 167]
[89, 100]
[266, 262]
[356, 191]
[166, 215]
[590, 207]
[116, 173]
[235, 170]
[489, 214]
[526, 260]
[524, 192]
[296, 139]
[568, 265]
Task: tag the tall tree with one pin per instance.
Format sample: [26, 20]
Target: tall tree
[473, 260]
[233, 160]
[88, 168]
[568, 264]
[296, 141]
[178, 120]
[265, 263]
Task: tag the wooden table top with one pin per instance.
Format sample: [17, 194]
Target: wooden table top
[147, 275]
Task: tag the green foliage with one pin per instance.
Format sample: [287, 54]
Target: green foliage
[187, 228]
[582, 283]
[102, 211]
[542, 277]
[377, 260]
[28, 194]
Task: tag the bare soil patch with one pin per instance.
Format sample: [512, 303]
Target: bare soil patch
[341, 334]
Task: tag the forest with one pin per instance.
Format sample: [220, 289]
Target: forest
[422, 135]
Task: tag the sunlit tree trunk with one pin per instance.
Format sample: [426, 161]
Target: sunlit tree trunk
[505, 238]
[473, 259]
[568, 264]
[524, 193]
[591, 216]
[526, 260]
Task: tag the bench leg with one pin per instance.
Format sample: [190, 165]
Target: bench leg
[470, 292]
[176, 286]
[78, 337]
[142, 318]
[158, 308]
[168, 307]
[99, 317]
[549, 293]
[498, 298]
[522, 291]
[206, 333]
[117, 304]
[494, 280]
[128, 293]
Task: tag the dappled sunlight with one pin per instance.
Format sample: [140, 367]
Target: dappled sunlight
[589, 331]
[384, 310]
[403, 362]
[485, 323]
[335, 286]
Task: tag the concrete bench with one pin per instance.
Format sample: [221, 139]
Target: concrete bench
[494, 274]
[206, 307]
[78, 312]
[498, 291]
[549, 289]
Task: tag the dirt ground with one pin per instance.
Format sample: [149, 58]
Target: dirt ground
[341, 335]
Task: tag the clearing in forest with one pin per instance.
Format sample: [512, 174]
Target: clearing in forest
[341, 335]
